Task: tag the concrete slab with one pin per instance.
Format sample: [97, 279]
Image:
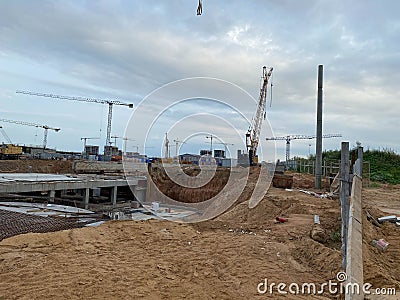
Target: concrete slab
[41, 208]
[34, 177]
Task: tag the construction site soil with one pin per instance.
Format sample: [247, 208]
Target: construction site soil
[36, 166]
[223, 258]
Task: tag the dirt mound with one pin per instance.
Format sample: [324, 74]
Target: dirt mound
[36, 166]
[193, 195]
[306, 181]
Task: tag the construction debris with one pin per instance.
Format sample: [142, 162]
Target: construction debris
[316, 219]
[372, 219]
[323, 195]
[281, 219]
[381, 244]
[392, 219]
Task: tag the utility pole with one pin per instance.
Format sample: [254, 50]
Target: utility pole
[318, 148]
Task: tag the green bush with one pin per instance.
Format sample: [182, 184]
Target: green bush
[384, 164]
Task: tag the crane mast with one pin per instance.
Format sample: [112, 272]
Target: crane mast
[253, 134]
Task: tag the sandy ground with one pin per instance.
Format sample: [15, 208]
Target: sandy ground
[224, 258]
[382, 269]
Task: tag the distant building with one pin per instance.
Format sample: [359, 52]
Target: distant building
[189, 158]
[219, 153]
[229, 162]
[135, 157]
[207, 160]
[111, 150]
[91, 150]
[205, 152]
[243, 158]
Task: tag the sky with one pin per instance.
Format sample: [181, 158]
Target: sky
[196, 76]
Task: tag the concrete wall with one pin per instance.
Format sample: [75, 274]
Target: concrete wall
[354, 268]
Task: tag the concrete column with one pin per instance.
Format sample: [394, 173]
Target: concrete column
[344, 197]
[318, 150]
[52, 195]
[114, 191]
[140, 194]
[86, 195]
[360, 158]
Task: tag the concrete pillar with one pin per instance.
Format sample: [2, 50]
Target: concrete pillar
[140, 194]
[86, 195]
[52, 195]
[360, 159]
[318, 150]
[114, 191]
[344, 197]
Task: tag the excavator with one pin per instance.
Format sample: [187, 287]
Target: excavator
[253, 134]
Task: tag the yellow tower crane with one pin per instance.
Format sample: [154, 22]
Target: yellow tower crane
[253, 134]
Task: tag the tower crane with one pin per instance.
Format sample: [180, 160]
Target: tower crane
[83, 99]
[177, 142]
[125, 139]
[253, 134]
[288, 138]
[45, 127]
[211, 142]
[87, 138]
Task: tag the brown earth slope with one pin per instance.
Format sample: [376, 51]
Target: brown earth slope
[36, 166]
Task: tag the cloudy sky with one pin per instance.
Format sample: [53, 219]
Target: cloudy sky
[127, 50]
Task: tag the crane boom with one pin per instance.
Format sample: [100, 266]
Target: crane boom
[84, 99]
[72, 98]
[8, 140]
[253, 134]
[45, 127]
